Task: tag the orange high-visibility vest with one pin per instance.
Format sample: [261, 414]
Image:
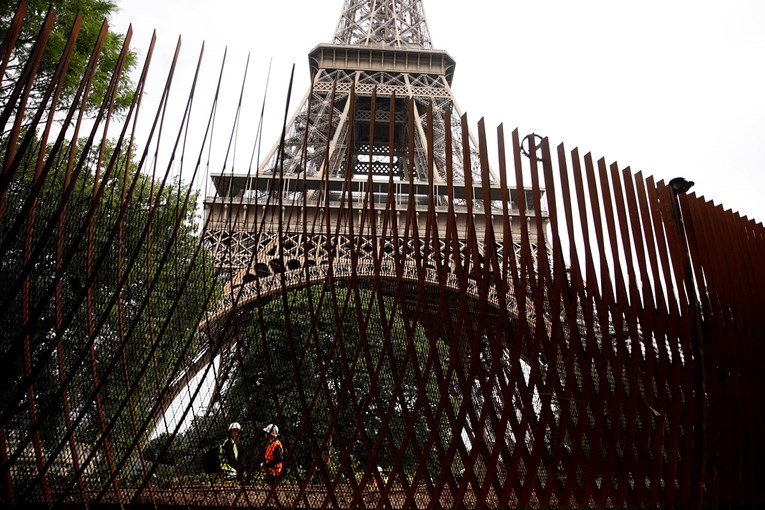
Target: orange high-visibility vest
[276, 469]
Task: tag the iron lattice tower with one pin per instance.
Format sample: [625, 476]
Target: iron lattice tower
[381, 63]
[308, 202]
[393, 24]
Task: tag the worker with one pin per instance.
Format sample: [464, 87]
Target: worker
[229, 453]
[274, 455]
[381, 478]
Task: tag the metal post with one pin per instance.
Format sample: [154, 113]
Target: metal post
[679, 186]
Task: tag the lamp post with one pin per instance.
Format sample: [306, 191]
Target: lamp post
[680, 186]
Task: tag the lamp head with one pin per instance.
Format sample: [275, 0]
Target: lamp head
[680, 185]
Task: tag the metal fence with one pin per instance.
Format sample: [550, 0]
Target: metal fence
[600, 352]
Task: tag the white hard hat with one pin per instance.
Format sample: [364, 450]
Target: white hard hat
[235, 425]
[271, 429]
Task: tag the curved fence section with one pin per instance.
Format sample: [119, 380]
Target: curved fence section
[587, 337]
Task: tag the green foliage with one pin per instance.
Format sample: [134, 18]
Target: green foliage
[85, 331]
[302, 362]
[94, 13]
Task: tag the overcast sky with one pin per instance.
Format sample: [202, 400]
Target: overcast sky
[672, 87]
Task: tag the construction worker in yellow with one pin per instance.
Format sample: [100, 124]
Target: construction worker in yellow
[229, 453]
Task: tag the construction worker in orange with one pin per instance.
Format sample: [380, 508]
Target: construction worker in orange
[274, 456]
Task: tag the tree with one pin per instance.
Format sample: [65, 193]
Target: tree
[94, 12]
[101, 345]
[320, 357]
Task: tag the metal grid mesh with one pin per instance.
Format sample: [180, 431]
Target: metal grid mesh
[408, 358]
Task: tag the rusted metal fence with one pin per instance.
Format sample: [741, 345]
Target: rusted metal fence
[600, 352]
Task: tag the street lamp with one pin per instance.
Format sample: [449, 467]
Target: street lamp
[680, 186]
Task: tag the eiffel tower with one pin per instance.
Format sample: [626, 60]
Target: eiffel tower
[380, 65]
[377, 160]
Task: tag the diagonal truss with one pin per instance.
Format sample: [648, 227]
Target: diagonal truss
[398, 23]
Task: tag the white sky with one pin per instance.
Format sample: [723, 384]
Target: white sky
[672, 87]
